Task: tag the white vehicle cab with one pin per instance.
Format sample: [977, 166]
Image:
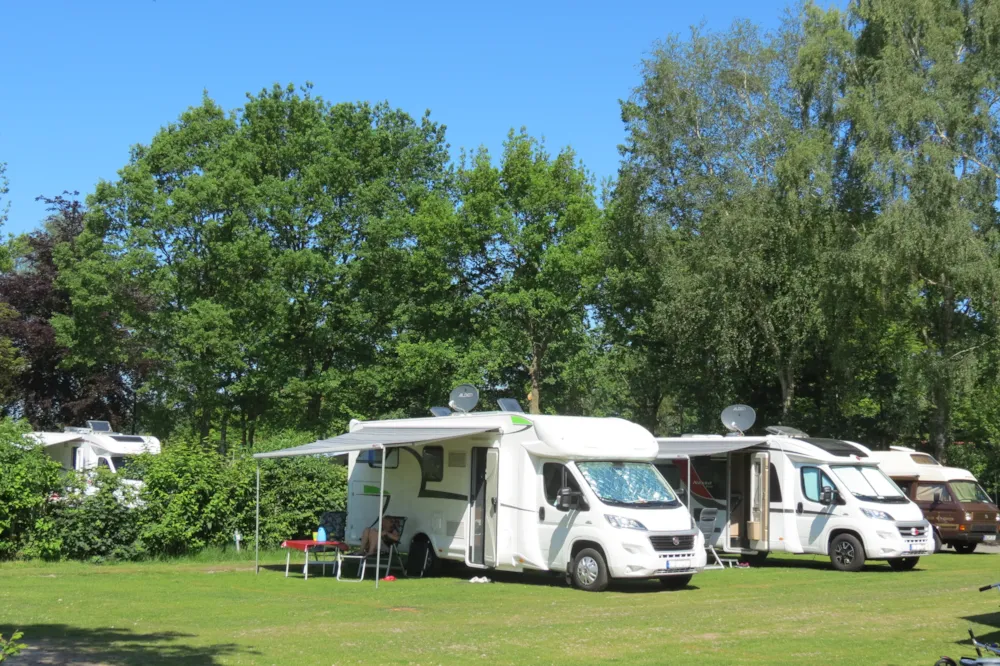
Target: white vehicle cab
[94, 446]
[511, 491]
[788, 492]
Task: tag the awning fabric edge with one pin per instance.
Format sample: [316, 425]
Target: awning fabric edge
[373, 438]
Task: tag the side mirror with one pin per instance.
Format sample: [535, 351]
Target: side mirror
[567, 499]
[827, 495]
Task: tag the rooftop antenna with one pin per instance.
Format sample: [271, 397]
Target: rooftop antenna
[738, 418]
[440, 411]
[464, 398]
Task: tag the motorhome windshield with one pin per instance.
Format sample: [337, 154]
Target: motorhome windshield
[124, 467]
[628, 484]
[869, 484]
[969, 491]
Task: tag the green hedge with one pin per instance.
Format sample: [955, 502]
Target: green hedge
[191, 498]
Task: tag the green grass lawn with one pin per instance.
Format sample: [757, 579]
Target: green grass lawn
[794, 610]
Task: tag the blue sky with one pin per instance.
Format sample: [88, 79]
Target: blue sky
[82, 82]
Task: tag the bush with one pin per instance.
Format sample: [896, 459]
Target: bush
[103, 525]
[28, 479]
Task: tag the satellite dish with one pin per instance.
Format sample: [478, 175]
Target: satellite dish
[440, 411]
[738, 418]
[464, 398]
[509, 405]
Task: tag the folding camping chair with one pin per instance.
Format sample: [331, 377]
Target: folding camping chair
[706, 523]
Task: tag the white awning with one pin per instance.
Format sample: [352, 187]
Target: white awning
[673, 447]
[375, 438]
[53, 438]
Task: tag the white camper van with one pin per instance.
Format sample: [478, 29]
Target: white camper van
[788, 492]
[511, 491]
[94, 446]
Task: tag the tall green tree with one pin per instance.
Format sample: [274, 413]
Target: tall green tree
[925, 129]
[535, 219]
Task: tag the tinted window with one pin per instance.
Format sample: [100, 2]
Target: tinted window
[927, 491]
[923, 459]
[433, 463]
[554, 477]
[813, 481]
[774, 486]
[374, 458]
[905, 486]
[103, 462]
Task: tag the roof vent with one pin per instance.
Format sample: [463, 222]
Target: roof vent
[785, 431]
[99, 426]
[440, 411]
[510, 405]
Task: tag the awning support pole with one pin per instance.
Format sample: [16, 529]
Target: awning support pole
[256, 537]
[381, 510]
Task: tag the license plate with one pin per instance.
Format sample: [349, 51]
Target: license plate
[678, 564]
[911, 546]
[990, 537]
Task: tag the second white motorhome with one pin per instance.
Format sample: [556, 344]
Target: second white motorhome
[787, 492]
[515, 492]
[96, 445]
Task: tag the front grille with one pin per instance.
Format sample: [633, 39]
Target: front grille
[912, 530]
[984, 529]
[663, 542]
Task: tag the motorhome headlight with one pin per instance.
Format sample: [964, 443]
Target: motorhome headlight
[968, 515]
[875, 513]
[624, 523]
[998, 517]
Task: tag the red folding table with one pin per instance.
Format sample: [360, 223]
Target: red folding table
[315, 547]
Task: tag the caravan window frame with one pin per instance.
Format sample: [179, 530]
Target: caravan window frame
[823, 475]
[433, 455]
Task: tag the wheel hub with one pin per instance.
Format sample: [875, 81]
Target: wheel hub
[587, 570]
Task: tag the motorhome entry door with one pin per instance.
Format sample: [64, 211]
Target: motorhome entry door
[484, 505]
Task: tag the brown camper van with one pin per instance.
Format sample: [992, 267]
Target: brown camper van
[962, 514]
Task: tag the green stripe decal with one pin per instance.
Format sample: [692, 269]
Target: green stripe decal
[372, 490]
[520, 420]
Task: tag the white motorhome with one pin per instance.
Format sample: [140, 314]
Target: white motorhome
[961, 512]
[94, 446]
[787, 492]
[510, 491]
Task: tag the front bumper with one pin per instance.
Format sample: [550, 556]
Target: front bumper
[969, 537]
[638, 560]
[898, 541]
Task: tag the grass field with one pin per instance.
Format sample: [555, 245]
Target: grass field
[794, 610]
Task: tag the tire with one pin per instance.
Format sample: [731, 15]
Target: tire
[676, 582]
[756, 560]
[903, 563]
[847, 553]
[937, 542]
[965, 548]
[589, 571]
[945, 661]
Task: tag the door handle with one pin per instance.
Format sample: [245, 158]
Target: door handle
[541, 513]
[493, 503]
[798, 508]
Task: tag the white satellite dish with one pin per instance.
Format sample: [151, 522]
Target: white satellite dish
[464, 398]
[738, 418]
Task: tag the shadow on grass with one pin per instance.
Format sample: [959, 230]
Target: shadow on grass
[58, 644]
[823, 564]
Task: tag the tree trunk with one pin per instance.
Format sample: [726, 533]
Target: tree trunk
[536, 378]
[940, 420]
[786, 377]
[222, 432]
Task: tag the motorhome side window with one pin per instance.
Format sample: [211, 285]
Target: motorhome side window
[774, 489]
[926, 492]
[813, 482]
[556, 476]
[374, 458]
[103, 462]
[433, 463]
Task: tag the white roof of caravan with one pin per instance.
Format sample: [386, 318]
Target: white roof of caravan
[815, 449]
[113, 443]
[571, 437]
[900, 462]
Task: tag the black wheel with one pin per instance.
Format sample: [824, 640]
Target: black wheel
[903, 563]
[945, 661]
[589, 571]
[937, 542]
[422, 561]
[675, 582]
[965, 548]
[847, 553]
[755, 560]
